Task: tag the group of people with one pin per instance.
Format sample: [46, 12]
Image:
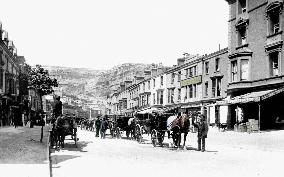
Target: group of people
[101, 127]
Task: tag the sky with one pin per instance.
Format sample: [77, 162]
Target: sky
[100, 34]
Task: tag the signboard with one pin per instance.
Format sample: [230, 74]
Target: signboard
[193, 80]
[238, 100]
[270, 94]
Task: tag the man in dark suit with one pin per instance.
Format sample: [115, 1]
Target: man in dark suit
[202, 127]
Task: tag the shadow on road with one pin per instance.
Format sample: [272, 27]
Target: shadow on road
[56, 159]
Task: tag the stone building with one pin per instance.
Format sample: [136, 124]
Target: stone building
[256, 67]
[9, 80]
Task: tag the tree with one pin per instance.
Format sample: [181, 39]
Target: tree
[39, 79]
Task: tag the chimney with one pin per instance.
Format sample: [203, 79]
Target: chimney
[147, 74]
[160, 70]
[154, 72]
[180, 61]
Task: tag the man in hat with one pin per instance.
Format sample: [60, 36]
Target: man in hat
[57, 111]
[202, 127]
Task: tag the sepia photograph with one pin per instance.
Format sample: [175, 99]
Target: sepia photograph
[144, 88]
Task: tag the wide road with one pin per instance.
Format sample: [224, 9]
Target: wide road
[227, 155]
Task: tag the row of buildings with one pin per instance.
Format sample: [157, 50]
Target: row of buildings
[16, 101]
[238, 86]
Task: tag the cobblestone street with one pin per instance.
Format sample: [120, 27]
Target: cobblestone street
[228, 153]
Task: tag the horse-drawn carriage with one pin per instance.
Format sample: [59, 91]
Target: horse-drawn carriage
[63, 126]
[121, 124]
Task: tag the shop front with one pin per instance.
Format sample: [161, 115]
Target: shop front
[255, 111]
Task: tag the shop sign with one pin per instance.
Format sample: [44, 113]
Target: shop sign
[193, 80]
[270, 94]
[238, 100]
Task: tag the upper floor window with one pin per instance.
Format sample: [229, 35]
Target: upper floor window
[162, 80]
[242, 35]
[273, 12]
[148, 85]
[206, 89]
[217, 64]
[234, 70]
[274, 63]
[173, 78]
[179, 76]
[206, 67]
[244, 69]
[154, 98]
[179, 94]
[242, 6]
[154, 83]
[143, 87]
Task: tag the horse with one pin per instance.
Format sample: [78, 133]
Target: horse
[178, 125]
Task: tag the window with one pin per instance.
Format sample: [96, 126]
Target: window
[148, 85]
[186, 73]
[242, 35]
[186, 90]
[179, 76]
[173, 78]
[144, 87]
[179, 94]
[273, 22]
[216, 87]
[234, 70]
[206, 89]
[190, 72]
[154, 98]
[218, 90]
[195, 70]
[242, 6]
[217, 62]
[161, 97]
[274, 64]
[154, 83]
[190, 89]
[162, 78]
[194, 90]
[213, 87]
[206, 65]
[244, 69]
[170, 95]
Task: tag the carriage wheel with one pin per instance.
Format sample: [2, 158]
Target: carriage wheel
[161, 136]
[154, 137]
[138, 133]
[117, 133]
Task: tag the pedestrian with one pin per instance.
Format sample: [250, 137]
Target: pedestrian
[202, 130]
[103, 128]
[57, 110]
[98, 126]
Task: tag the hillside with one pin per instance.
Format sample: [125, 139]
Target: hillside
[93, 86]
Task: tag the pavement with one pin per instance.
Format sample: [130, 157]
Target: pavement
[22, 153]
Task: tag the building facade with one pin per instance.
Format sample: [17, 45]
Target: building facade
[9, 80]
[256, 67]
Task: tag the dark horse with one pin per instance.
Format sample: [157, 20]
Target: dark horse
[178, 126]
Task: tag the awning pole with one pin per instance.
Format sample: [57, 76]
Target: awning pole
[259, 107]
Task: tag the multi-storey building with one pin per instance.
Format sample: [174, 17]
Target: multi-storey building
[9, 78]
[256, 67]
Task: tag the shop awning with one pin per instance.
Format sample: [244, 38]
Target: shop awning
[250, 97]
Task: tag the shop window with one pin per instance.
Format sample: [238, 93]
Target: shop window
[206, 65]
[244, 69]
[234, 71]
[274, 63]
